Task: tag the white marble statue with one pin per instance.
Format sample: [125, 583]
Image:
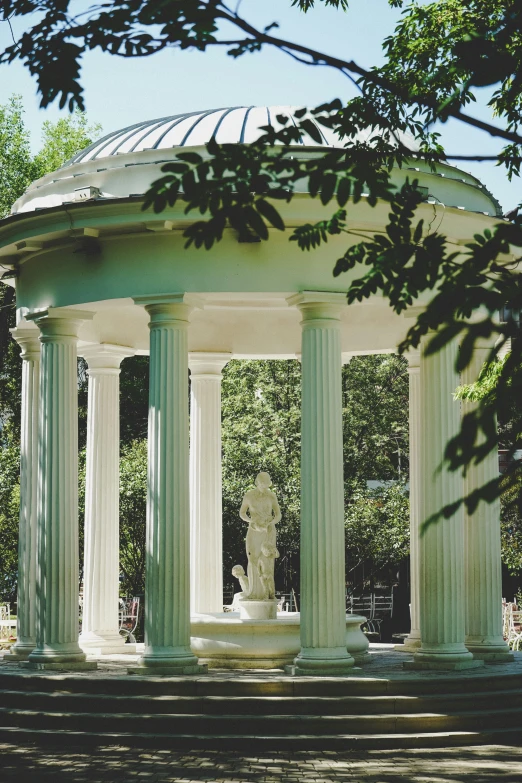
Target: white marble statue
[261, 511]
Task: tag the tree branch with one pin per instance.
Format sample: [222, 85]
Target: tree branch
[319, 58]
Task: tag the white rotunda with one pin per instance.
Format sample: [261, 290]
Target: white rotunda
[98, 277]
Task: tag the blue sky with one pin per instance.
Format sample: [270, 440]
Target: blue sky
[120, 92]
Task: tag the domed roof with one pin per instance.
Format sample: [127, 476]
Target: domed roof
[124, 163]
[236, 125]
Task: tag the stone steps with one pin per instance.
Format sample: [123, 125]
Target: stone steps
[258, 705]
[264, 712]
[257, 725]
[242, 742]
[487, 681]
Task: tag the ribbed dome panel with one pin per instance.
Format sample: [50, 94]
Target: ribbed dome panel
[236, 125]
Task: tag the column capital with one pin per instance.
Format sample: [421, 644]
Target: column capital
[203, 365]
[59, 322]
[413, 357]
[169, 309]
[105, 356]
[323, 306]
[29, 341]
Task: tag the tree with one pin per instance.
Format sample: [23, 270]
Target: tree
[9, 504]
[439, 53]
[63, 139]
[375, 419]
[18, 169]
[377, 532]
[133, 494]
[261, 403]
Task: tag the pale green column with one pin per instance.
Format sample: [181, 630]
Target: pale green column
[101, 571]
[206, 514]
[323, 601]
[441, 543]
[167, 569]
[29, 343]
[482, 536]
[413, 640]
[57, 588]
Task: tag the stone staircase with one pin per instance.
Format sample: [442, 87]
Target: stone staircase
[269, 713]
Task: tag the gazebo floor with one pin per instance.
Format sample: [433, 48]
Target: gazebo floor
[379, 706]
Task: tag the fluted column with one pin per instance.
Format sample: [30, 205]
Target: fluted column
[482, 545]
[57, 517]
[206, 524]
[441, 543]
[167, 574]
[29, 343]
[413, 640]
[323, 603]
[100, 623]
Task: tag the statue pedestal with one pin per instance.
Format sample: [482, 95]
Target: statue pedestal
[252, 609]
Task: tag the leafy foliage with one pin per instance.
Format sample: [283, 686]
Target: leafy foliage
[261, 409]
[16, 163]
[133, 492]
[377, 528]
[485, 385]
[9, 505]
[18, 169]
[375, 420]
[511, 526]
[63, 139]
[261, 431]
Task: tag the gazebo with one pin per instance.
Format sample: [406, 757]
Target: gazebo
[98, 277]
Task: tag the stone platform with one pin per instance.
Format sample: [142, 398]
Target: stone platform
[381, 706]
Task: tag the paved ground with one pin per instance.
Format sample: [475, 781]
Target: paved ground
[488, 764]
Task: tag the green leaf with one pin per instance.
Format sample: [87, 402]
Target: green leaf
[256, 222]
[190, 157]
[311, 128]
[343, 190]
[271, 214]
[328, 184]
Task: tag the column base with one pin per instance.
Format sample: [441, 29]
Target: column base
[491, 657]
[99, 652]
[19, 652]
[66, 653]
[490, 653]
[324, 662]
[171, 671]
[446, 666]
[168, 661]
[113, 644]
[410, 645]
[62, 666]
[295, 671]
[453, 658]
[362, 658]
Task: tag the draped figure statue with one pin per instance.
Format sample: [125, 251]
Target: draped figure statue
[261, 511]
